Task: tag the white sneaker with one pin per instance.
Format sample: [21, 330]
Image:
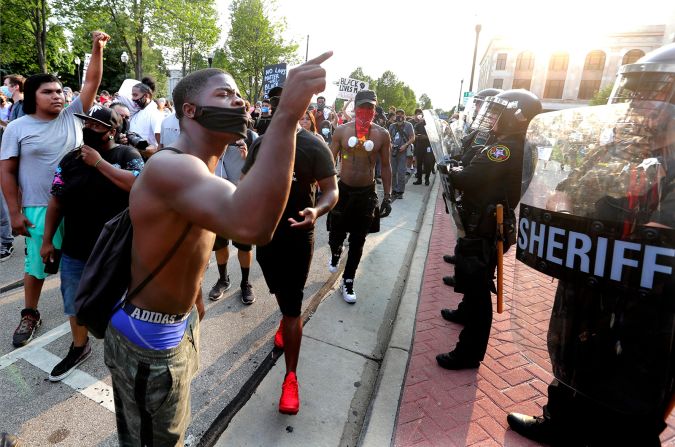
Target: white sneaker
[332, 268]
[347, 289]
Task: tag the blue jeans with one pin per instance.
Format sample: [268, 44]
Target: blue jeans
[71, 273]
[398, 171]
[5, 225]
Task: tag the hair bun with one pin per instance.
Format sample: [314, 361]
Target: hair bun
[149, 82]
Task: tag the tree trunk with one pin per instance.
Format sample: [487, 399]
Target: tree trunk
[139, 11]
[42, 43]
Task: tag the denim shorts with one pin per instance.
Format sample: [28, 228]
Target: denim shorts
[71, 273]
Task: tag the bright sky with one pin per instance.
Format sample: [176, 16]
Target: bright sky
[429, 44]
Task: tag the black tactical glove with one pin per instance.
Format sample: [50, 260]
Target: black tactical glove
[385, 208]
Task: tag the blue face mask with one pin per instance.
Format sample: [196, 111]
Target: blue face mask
[5, 91]
[325, 131]
[265, 110]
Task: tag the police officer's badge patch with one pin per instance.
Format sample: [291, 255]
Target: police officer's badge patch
[498, 153]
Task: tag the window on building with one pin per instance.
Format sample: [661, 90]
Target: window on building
[632, 56]
[501, 61]
[525, 61]
[498, 83]
[558, 62]
[587, 89]
[554, 89]
[595, 60]
[522, 83]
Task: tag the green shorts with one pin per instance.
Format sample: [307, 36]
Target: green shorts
[33, 264]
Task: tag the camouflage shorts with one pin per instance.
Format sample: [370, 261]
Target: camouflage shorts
[152, 387]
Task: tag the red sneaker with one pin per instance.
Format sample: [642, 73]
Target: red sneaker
[279, 338]
[290, 400]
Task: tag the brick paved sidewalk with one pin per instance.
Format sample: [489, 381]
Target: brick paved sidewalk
[461, 408]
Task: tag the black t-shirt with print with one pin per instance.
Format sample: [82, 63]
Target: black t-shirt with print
[313, 162]
[89, 199]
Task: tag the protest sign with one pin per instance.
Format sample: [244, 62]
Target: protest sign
[273, 76]
[348, 87]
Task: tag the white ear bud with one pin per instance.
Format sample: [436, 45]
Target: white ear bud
[352, 141]
[368, 145]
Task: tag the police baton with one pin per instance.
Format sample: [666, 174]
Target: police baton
[500, 258]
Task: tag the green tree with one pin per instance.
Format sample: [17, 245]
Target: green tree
[254, 42]
[31, 40]
[190, 30]
[601, 96]
[425, 102]
[393, 92]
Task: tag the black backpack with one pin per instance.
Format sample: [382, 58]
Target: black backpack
[107, 273]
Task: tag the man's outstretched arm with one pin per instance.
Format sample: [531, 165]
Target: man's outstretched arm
[251, 212]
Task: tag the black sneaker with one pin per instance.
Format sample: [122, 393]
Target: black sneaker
[7, 440]
[417, 182]
[452, 360]
[450, 259]
[426, 182]
[6, 251]
[30, 321]
[73, 359]
[219, 288]
[247, 296]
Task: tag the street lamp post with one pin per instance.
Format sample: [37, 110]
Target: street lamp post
[459, 99]
[124, 58]
[475, 51]
[77, 62]
[210, 58]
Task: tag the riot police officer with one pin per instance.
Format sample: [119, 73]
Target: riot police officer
[471, 143]
[492, 177]
[610, 336]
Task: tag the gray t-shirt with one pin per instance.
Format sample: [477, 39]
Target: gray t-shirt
[230, 164]
[40, 145]
[401, 135]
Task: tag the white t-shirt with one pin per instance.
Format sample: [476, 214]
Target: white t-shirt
[147, 122]
[170, 130]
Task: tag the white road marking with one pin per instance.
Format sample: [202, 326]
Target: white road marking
[37, 343]
[35, 354]
[80, 381]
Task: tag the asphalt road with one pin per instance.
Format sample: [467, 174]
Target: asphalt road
[78, 411]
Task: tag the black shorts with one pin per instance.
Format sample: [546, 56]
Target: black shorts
[285, 264]
[357, 210]
[221, 243]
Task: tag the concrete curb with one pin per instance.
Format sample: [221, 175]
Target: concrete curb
[380, 424]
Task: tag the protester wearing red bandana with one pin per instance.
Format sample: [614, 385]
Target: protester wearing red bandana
[358, 144]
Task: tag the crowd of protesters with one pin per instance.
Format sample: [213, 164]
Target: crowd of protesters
[72, 160]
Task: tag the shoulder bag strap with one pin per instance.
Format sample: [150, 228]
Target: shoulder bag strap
[171, 252]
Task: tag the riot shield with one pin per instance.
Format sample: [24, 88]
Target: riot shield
[437, 131]
[594, 296]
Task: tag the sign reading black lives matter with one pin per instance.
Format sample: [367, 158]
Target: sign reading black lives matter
[574, 248]
[273, 76]
[348, 88]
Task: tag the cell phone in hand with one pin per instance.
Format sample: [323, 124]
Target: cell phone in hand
[52, 266]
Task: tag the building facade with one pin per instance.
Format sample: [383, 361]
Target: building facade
[565, 78]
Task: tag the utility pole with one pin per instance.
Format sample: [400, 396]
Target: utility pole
[459, 100]
[475, 51]
[307, 49]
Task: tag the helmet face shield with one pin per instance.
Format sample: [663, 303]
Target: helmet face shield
[489, 114]
[644, 86]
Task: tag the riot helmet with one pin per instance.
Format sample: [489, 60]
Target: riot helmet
[480, 97]
[648, 88]
[508, 112]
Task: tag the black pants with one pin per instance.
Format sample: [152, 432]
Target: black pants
[425, 162]
[474, 271]
[353, 214]
[579, 421]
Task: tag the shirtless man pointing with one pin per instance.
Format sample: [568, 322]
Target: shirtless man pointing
[152, 363]
[358, 143]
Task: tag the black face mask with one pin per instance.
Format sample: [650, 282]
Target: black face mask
[223, 119]
[140, 102]
[92, 138]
